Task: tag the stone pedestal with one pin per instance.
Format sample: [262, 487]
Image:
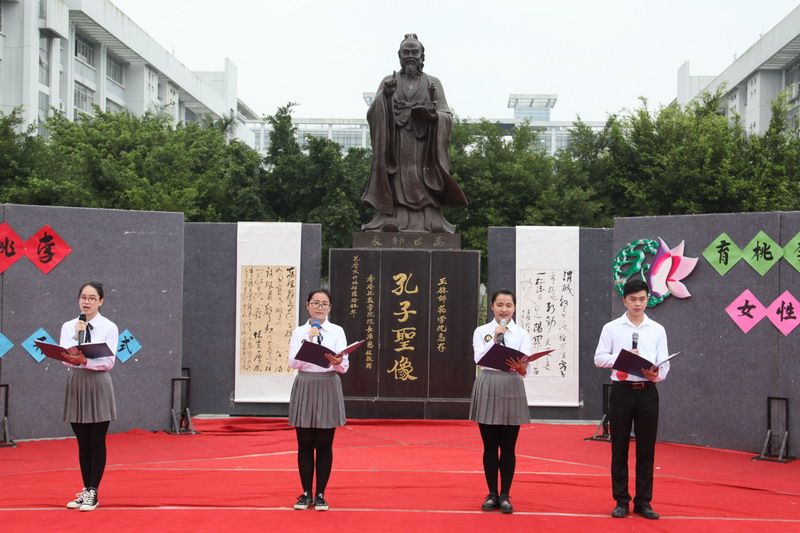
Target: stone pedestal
[417, 309]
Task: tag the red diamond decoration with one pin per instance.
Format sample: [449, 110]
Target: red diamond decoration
[46, 249]
[12, 247]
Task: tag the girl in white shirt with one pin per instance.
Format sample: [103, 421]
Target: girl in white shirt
[316, 404]
[499, 404]
[90, 405]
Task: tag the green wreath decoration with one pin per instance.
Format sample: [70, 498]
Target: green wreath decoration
[631, 261]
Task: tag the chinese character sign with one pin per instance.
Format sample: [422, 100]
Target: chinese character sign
[783, 312]
[46, 249]
[268, 314]
[404, 331]
[12, 246]
[440, 303]
[722, 254]
[745, 311]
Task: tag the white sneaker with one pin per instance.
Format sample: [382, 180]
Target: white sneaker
[89, 501]
[78, 501]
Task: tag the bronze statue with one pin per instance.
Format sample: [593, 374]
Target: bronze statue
[409, 124]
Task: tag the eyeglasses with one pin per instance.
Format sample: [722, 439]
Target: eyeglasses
[320, 305]
[91, 298]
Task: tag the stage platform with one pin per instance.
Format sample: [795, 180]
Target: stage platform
[239, 474]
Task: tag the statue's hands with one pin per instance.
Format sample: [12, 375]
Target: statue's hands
[390, 86]
[430, 107]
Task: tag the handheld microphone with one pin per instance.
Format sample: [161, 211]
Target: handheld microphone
[634, 340]
[82, 333]
[316, 324]
[501, 336]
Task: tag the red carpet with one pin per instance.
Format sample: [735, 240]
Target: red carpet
[240, 474]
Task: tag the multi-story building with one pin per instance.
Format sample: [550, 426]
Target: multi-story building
[71, 55]
[533, 109]
[755, 79]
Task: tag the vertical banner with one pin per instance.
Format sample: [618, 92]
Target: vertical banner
[267, 303]
[547, 273]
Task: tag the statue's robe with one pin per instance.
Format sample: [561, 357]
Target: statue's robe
[410, 176]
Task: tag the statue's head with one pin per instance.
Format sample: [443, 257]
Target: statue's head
[411, 53]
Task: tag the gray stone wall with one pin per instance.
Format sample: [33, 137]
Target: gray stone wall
[716, 391]
[138, 256]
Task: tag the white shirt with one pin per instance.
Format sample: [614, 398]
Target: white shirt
[333, 338]
[618, 334]
[103, 330]
[515, 337]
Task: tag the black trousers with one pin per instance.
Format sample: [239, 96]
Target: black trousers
[638, 408]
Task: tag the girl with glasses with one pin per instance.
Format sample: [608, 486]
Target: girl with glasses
[90, 404]
[316, 404]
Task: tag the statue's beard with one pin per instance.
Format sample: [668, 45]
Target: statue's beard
[412, 68]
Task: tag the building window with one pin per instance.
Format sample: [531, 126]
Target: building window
[44, 59]
[114, 70]
[113, 107]
[84, 51]
[84, 98]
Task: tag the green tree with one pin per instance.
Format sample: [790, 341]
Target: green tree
[21, 154]
[121, 161]
[318, 186]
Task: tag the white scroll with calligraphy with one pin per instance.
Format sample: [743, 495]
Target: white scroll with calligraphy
[267, 303]
[547, 273]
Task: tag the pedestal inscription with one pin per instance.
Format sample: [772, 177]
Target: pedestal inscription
[417, 311]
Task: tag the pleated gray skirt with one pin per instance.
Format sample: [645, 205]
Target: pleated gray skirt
[316, 401]
[90, 397]
[499, 398]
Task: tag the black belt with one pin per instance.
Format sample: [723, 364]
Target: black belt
[636, 385]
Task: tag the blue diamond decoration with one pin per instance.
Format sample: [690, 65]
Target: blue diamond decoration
[128, 345]
[39, 335]
[5, 345]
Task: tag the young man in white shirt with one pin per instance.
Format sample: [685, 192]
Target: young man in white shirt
[633, 400]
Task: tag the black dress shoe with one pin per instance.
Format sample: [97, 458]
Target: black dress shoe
[646, 512]
[620, 511]
[505, 504]
[491, 502]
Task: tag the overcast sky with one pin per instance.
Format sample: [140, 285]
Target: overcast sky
[598, 56]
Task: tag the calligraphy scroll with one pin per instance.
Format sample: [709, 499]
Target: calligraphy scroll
[547, 274]
[267, 302]
[268, 312]
[546, 303]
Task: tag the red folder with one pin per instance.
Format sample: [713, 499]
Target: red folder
[497, 355]
[631, 363]
[314, 353]
[92, 350]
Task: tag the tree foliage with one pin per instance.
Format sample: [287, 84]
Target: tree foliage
[674, 160]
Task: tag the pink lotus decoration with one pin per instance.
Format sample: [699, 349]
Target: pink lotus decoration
[667, 270]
